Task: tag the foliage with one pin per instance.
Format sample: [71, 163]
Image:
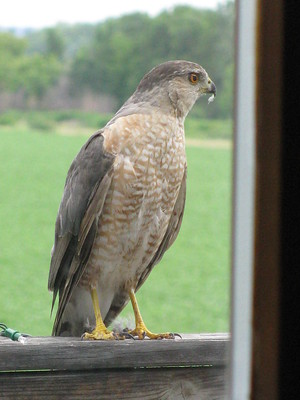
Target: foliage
[33, 75]
[11, 49]
[187, 292]
[54, 43]
[37, 121]
[11, 46]
[73, 38]
[37, 74]
[9, 118]
[124, 48]
[112, 56]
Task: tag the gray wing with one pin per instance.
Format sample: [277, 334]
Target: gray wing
[85, 190]
[121, 299]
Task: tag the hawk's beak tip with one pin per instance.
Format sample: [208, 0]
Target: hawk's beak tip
[213, 89]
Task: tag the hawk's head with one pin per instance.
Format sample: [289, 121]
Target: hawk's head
[174, 84]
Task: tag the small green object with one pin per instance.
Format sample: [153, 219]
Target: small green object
[11, 333]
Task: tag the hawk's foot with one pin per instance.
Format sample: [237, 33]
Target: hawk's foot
[102, 334]
[141, 331]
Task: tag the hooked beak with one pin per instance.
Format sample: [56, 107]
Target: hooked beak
[212, 89]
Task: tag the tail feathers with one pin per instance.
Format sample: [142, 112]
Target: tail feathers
[73, 329]
[78, 316]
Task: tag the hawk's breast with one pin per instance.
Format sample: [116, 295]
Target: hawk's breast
[148, 170]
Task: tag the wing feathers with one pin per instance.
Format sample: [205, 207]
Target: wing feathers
[86, 187]
[96, 205]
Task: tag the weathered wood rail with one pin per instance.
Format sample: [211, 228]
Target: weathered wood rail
[55, 367]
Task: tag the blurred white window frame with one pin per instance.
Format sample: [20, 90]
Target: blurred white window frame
[243, 201]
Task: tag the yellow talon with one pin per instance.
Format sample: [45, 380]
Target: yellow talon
[141, 331]
[100, 332]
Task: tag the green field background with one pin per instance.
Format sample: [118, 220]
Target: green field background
[187, 292]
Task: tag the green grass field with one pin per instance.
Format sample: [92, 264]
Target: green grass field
[187, 292]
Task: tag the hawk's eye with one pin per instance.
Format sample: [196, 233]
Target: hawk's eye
[193, 78]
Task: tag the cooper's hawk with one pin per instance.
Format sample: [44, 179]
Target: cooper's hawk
[123, 203]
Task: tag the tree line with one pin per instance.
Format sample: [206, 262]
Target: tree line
[111, 57]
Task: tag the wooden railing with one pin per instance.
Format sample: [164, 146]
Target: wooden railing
[68, 368]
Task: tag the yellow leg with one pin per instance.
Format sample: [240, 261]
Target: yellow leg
[100, 332]
[141, 330]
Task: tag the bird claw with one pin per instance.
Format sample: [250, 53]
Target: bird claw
[126, 335]
[102, 335]
[177, 334]
[168, 335]
[142, 332]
